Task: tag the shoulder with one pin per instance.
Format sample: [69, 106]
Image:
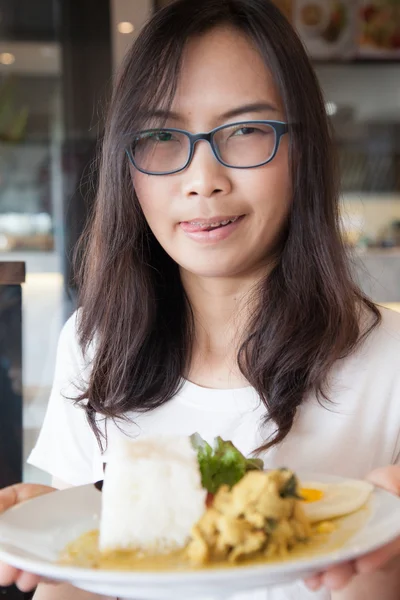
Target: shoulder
[73, 365]
[386, 336]
[377, 355]
[69, 345]
[391, 322]
[69, 331]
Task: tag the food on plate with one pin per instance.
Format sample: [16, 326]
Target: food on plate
[222, 463]
[262, 514]
[326, 501]
[152, 495]
[172, 503]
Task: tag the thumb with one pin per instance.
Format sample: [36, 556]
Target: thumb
[387, 478]
[20, 492]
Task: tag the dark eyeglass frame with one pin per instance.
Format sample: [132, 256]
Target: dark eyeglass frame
[280, 128]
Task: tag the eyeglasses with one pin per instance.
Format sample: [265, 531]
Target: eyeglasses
[243, 145]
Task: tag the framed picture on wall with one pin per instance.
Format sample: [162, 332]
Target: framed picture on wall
[379, 29]
[327, 27]
[341, 30]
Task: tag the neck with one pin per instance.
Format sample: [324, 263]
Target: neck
[221, 309]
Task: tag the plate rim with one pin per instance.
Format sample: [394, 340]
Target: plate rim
[155, 578]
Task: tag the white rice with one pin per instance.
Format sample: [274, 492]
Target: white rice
[152, 494]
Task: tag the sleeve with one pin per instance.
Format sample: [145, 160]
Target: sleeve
[397, 452]
[67, 447]
[396, 416]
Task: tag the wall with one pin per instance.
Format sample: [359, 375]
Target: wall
[373, 90]
[136, 12]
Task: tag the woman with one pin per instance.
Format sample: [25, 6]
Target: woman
[215, 291]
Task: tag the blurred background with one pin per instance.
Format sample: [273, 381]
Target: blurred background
[57, 60]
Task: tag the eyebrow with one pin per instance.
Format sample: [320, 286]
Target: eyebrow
[248, 108]
[256, 107]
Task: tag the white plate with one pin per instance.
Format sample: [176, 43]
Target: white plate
[32, 535]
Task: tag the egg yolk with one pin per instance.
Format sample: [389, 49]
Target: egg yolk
[310, 495]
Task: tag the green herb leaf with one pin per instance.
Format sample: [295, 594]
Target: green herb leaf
[290, 489]
[255, 464]
[222, 465]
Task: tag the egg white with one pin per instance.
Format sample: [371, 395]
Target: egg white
[338, 499]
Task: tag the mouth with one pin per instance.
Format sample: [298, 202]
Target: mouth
[212, 231]
[199, 224]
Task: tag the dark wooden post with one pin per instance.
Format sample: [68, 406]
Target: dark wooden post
[12, 274]
[85, 33]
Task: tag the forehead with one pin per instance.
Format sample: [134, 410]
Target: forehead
[221, 70]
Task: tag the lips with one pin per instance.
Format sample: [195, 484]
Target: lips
[200, 224]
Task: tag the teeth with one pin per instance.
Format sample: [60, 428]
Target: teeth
[213, 225]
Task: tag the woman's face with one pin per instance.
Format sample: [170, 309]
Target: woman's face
[221, 73]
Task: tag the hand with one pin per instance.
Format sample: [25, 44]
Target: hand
[340, 576]
[11, 496]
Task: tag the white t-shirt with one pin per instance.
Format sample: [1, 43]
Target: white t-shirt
[357, 432]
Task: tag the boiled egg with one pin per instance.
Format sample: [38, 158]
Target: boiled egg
[323, 501]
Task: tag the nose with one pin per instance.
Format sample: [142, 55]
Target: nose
[205, 176]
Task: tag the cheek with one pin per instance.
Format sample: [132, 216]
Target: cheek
[277, 179]
[152, 193]
[271, 192]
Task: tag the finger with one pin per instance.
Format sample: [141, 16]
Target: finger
[7, 574]
[27, 581]
[51, 581]
[339, 576]
[314, 583]
[387, 478]
[377, 559]
[20, 492]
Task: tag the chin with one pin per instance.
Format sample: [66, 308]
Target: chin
[214, 271]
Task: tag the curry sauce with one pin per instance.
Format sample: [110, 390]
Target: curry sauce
[84, 552]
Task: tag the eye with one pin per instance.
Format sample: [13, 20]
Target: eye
[155, 136]
[251, 131]
[245, 131]
[163, 136]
